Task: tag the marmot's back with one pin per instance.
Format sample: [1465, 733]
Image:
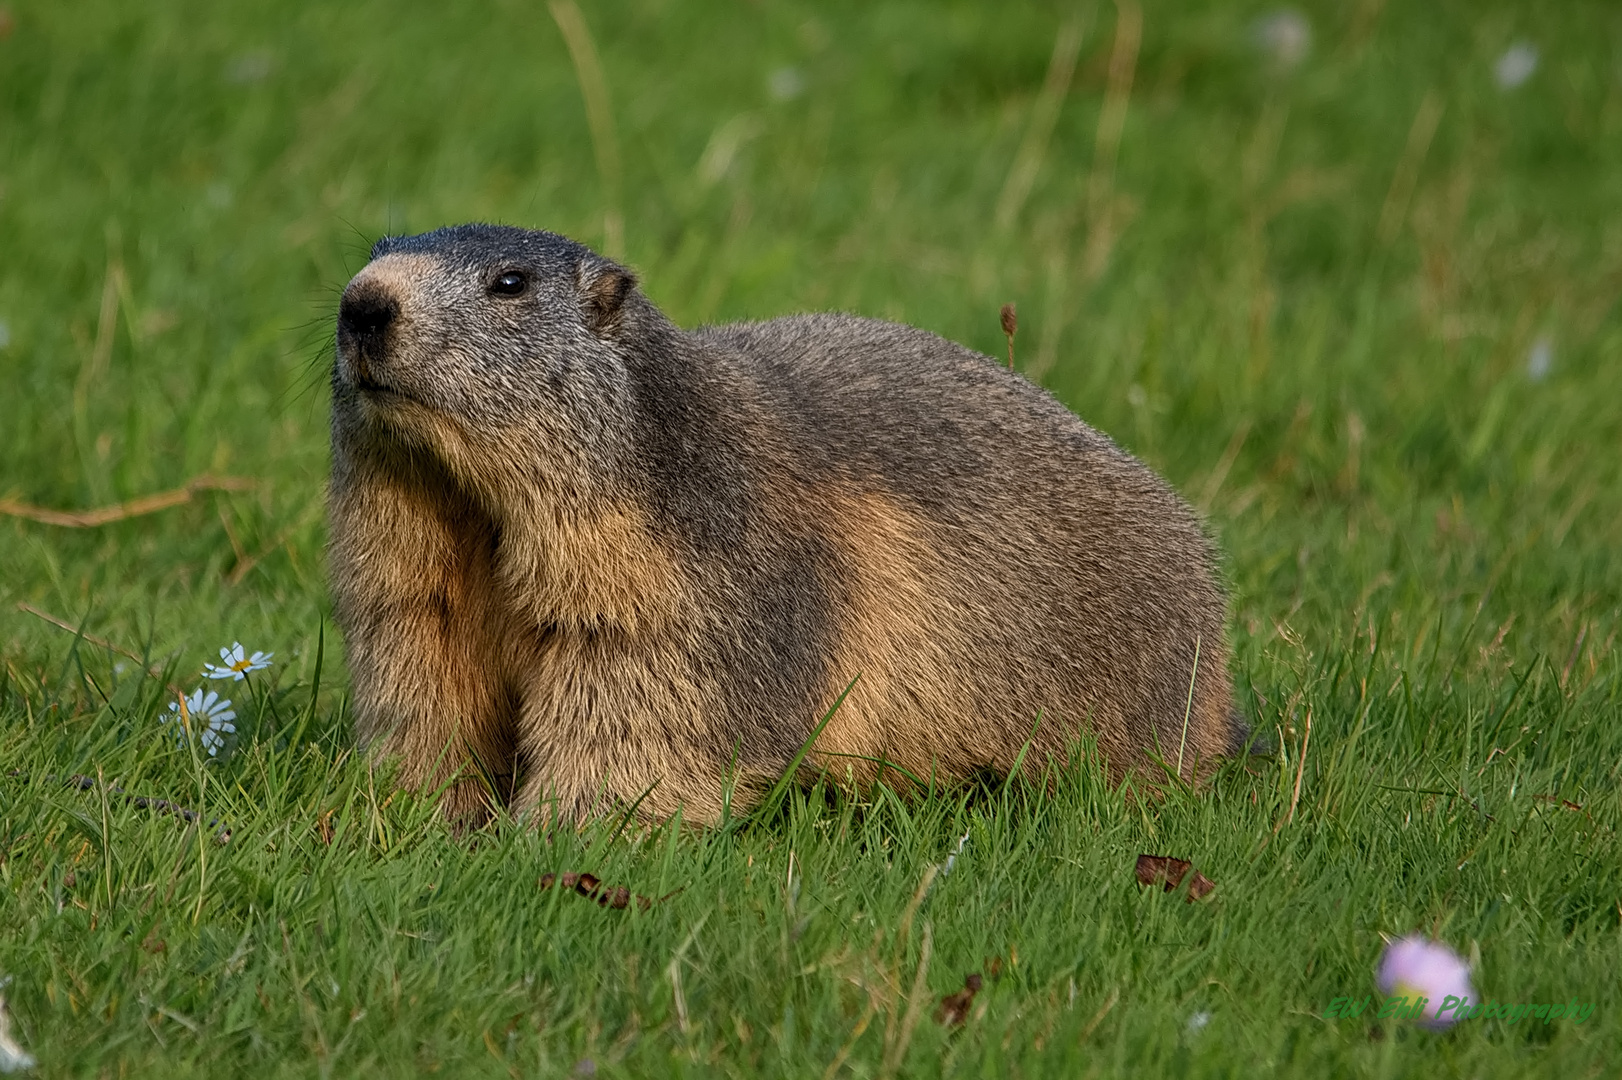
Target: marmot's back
[589, 556]
[1059, 573]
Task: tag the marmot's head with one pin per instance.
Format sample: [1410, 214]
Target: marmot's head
[474, 338]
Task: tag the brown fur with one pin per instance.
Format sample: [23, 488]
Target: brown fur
[901, 636]
[600, 560]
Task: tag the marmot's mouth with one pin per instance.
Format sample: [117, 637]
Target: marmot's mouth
[360, 373]
[384, 396]
[368, 384]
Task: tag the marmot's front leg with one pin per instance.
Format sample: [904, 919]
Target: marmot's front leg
[607, 725]
[642, 780]
[412, 583]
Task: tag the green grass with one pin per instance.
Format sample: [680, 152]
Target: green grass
[1307, 296]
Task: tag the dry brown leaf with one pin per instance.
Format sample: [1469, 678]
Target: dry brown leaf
[954, 1008]
[1169, 872]
[591, 887]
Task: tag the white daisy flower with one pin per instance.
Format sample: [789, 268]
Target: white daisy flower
[235, 663]
[13, 1058]
[1519, 63]
[207, 716]
[1285, 35]
[1540, 359]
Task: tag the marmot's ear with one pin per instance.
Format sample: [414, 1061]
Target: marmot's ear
[603, 289]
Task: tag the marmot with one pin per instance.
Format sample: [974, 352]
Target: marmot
[600, 559]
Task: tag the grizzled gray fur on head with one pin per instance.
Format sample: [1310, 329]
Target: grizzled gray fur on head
[594, 558]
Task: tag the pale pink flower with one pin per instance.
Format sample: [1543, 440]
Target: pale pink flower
[1414, 967]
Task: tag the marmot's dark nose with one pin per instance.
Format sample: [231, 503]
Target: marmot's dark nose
[365, 313]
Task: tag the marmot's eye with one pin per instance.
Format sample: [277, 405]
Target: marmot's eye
[509, 284]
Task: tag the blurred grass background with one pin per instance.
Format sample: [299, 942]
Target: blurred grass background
[1340, 271]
